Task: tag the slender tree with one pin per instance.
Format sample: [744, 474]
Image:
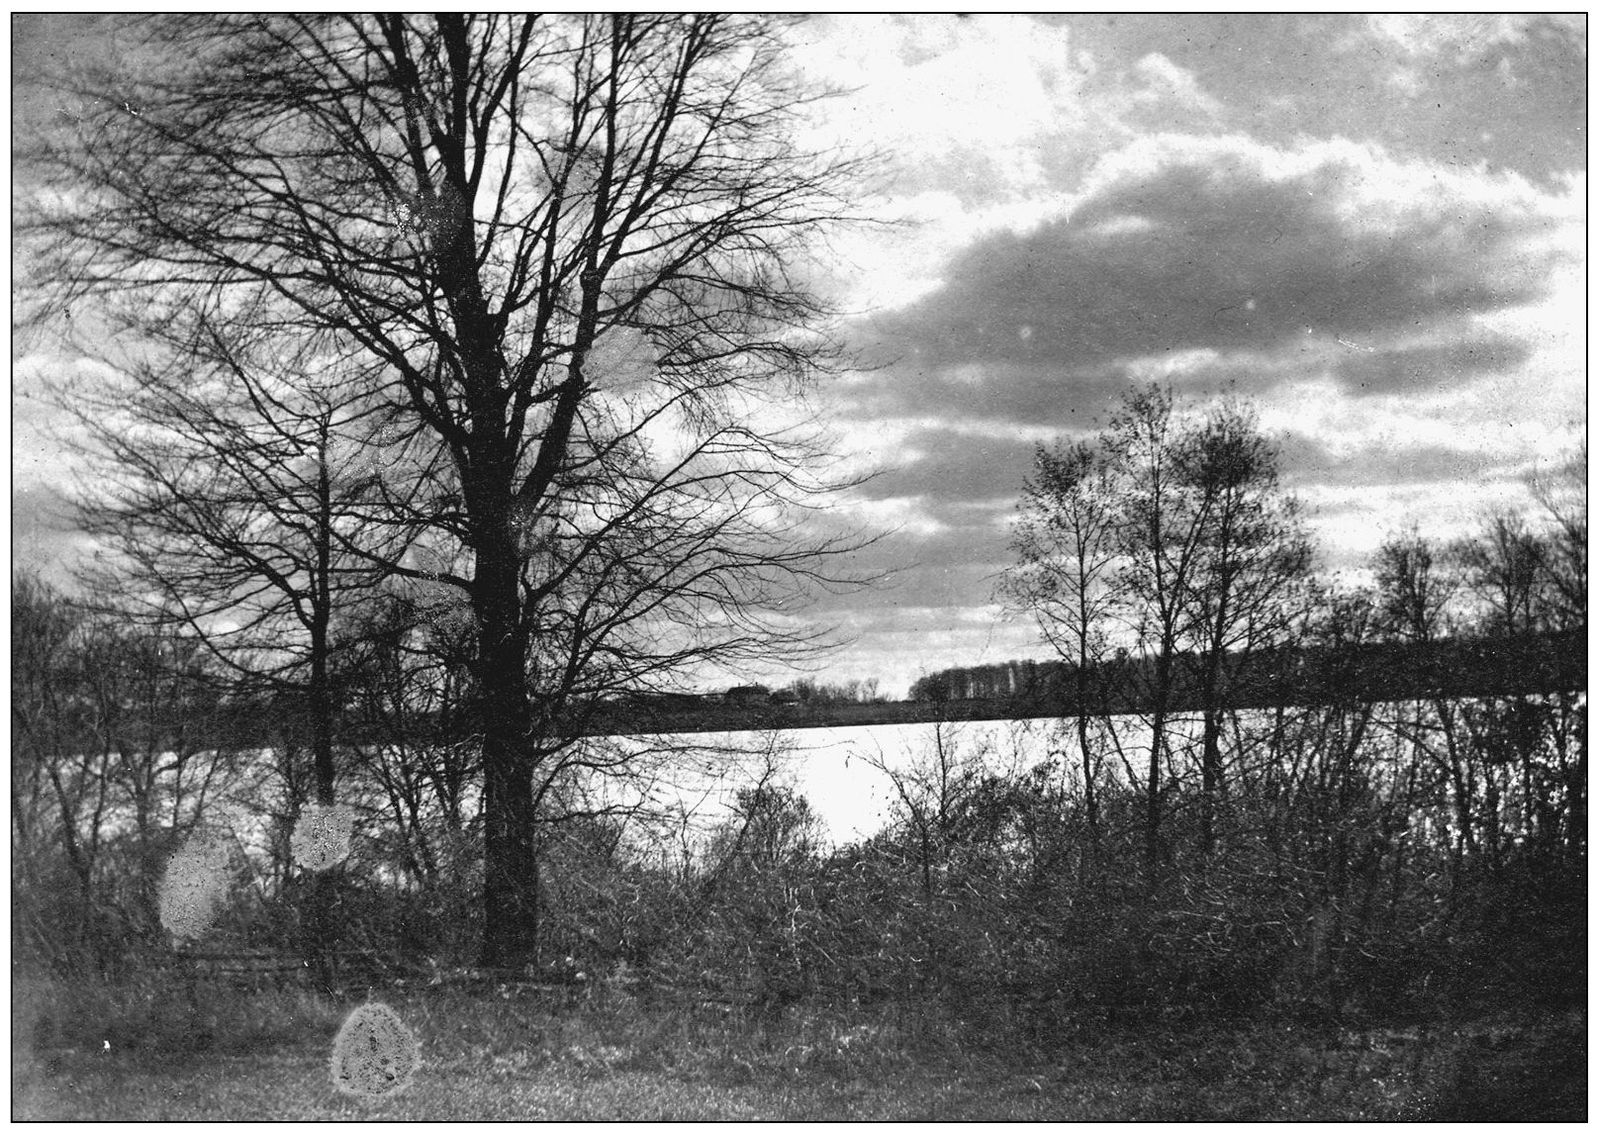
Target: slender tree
[1067, 577]
[237, 497]
[1160, 537]
[1416, 596]
[1252, 567]
[1562, 497]
[62, 776]
[1171, 530]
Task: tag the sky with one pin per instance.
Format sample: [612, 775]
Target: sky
[1371, 227]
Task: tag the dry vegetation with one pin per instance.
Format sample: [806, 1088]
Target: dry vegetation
[493, 1057]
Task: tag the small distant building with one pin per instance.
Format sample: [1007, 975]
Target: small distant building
[749, 695]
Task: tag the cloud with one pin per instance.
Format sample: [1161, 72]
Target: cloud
[43, 539]
[933, 565]
[1165, 85]
[951, 468]
[1465, 38]
[1313, 462]
[1223, 254]
[1426, 54]
[954, 104]
[1369, 370]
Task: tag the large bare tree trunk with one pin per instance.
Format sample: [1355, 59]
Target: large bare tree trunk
[510, 898]
[510, 875]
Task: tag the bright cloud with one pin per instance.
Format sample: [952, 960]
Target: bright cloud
[1465, 37]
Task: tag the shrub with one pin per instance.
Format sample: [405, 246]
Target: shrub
[162, 1013]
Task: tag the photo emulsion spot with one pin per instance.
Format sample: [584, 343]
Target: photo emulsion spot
[195, 885]
[374, 1053]
[321, 837]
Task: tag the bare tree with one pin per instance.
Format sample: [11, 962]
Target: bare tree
[1562, 496]
[1417, 594]
[113, 752]
[1161, 538]
[1504, 568]
[239, 499]
[61, 777]
[1252, 568]
[1067, 577]
[566, 250]
[1169, 530]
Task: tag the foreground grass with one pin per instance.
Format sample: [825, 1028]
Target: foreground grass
[488, 1058]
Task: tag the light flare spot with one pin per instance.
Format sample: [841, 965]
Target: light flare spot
[375, 1053]
[322, 835]
[195, 884]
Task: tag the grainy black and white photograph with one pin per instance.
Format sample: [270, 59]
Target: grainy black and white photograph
[822, 567]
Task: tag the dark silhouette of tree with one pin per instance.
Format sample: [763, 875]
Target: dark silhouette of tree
[242, 493]
[1159, 538]
[1562, 497]
[564, 251]
[113, 752]
[1067, 579]
[1417, 591]
[1170, 529]
[1253, 564]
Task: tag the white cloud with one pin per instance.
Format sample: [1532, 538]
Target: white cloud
[1464, 37]
[968, 115]
[1164, 82]
[1423, 41]
[931, 86]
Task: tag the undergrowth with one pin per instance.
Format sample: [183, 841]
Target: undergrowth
[807, 1063]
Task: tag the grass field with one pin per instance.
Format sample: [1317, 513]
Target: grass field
[485, 1057]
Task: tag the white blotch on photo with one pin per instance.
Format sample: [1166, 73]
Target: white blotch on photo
[623, 359]
[322, 835]
[375, 1053]
[195, 884]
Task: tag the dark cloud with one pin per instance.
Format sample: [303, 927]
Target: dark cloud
[1306, 461]
[1214, 246]
[43, 539]
[1052, 394]
[950, 567]
[953, 468]
[964, 487]
[1426, 367]
[1358, 368]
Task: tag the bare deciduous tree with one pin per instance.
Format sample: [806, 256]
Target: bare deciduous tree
[1171, 532]
[1252, 566]
[566, 250]
[239, 501]
[1067, 578]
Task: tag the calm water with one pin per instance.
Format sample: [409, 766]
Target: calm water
[842, 771]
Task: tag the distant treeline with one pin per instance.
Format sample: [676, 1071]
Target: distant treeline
[1461, 668]
[1389, 671]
